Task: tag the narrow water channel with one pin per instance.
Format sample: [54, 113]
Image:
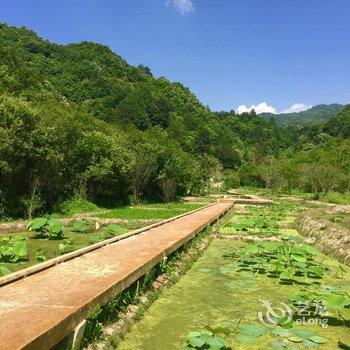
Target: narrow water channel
[212, 292]
[217, 290]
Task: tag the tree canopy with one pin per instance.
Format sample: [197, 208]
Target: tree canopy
[79, 120]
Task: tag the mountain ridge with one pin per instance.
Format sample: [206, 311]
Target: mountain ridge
[312, 115]
[78, 120]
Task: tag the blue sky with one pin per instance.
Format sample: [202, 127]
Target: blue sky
[228, 52]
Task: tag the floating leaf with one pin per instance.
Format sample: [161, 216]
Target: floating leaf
[193, 334]
[295, 339]
[309, 344]
[216, 343]
[196, 342]
[336, 301]
[252, 330]
[204, 270]
[317, 339]
[303, 333]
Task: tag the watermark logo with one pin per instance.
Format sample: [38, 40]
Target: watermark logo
[307, 313]
[277, 315]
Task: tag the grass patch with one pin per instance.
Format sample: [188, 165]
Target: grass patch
[76, 205]
[337, 198]
[150, 211]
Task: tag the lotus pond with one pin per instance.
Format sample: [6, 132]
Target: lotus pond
[244, 294]
[47, 238]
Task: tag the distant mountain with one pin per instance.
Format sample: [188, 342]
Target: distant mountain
[310, 116]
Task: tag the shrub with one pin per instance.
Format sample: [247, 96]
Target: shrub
[231, 180]
[76, 205]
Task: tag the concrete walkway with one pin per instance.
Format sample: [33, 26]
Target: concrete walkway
[39, 311]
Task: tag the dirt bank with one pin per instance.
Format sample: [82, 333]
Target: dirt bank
[331, 240]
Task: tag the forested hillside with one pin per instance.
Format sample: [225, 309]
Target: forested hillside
[77, 120]
[313, 115]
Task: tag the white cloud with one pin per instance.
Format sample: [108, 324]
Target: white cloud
[183, 6]
[262, 107]
[297, 107]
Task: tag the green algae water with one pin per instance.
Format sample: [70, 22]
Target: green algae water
[212, 292]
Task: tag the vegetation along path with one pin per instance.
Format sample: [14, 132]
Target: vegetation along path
[54, 301]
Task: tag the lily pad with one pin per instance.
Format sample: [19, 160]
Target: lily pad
[252, 330]
[216, 343]
[204, 270]
[336, 301]
[309, 344]
[295, 339]
[196, 342]
[303, 333]
[318, 339]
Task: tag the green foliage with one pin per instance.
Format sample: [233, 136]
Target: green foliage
[339, 126]
[77, 120]
[13, 249]
[231, 180]
[80, 226]
[337, 198]
[334, 299]
[319, 179]
[150, 211]
[205, 340]
[4, 270]
[37, 225]
[42, 227]
[286, 262]
[115, 230]
[310, 116]
[40, 255]
[67, 246]
[77, 205]
[55, 229]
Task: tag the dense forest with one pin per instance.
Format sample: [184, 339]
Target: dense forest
[313, 115]
[79, 121]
